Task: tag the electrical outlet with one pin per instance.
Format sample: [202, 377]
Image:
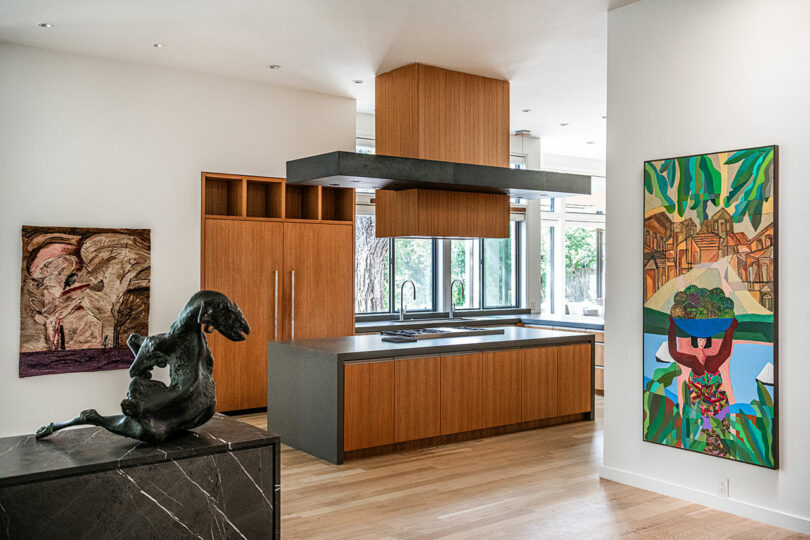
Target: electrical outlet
[722, 488]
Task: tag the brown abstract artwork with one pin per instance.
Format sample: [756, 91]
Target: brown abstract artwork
[83, 292]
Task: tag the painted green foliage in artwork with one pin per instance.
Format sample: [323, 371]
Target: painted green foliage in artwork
[709, 225]
[749, 439]
[699, 184]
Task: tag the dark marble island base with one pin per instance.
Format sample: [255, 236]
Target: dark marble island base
[220, 481]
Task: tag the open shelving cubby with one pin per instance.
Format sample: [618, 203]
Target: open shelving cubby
[224, 196]
[337, 204]
[302, 202]
[265, 198]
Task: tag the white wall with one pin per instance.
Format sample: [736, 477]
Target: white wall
[573, 165]
[88, 142]
[365, 129]
[690, 77]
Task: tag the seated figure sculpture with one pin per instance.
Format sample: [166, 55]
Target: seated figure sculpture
[152, 411]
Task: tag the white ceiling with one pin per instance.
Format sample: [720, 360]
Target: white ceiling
[554, 52]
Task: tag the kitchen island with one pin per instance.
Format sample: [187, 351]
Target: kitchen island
[344, 397]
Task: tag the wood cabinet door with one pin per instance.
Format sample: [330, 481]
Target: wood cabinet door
[368, 405]
[501, 387]
[417, 398]
[319, 299]
[240, 261]
[539, 383]
[574, 379]
[461, 400]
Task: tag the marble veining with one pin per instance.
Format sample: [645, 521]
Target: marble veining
[215, 496]
[225, 484]
[77, 451]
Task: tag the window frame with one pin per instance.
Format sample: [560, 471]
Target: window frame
[559, 219]
[392, 290]
[438, 272]
[516, 256]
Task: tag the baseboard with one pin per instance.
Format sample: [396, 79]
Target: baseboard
[732, 506]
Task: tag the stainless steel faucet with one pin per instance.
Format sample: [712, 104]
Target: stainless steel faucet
[452, 305]
[402, 309]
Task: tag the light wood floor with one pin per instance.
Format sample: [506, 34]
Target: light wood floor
[536, 484]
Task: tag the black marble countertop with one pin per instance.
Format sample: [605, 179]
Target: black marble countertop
[570, 321]
[372, 346]
[71, 452]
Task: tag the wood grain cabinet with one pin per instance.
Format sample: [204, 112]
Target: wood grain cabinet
[389, 401]
[240, 369]
[417, 398]
[318, 280]
[539, 383]
[285, 255]
[574, 367]
[368, 406]
[501, 387]
[462, 403]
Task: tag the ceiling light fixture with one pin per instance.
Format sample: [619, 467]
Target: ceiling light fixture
[157, 45]
[591, 142]
[273, 66]
[45, 25]
[358, 81]
[527, 110]
[604, 117]
[563, 124]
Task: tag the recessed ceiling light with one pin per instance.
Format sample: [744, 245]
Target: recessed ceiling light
[157, 45]
[45, 25]
[358, 81]
[563, 124]
[591, 142]
[527, 110]
[273, 66]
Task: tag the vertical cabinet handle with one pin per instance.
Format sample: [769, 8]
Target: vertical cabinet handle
[292, 306]
[275, 314]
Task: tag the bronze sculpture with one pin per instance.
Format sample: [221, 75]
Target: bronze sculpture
[153, 411]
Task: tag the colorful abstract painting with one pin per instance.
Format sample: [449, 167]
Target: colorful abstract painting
[83, 291]
[710, 246]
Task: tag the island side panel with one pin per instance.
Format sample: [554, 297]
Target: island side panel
[305, 400]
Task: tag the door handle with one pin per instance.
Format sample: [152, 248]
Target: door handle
[292, 306]
[275, 314]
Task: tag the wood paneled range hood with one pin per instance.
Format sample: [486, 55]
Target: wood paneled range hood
[442, 162]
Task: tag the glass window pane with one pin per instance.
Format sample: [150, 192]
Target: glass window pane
[371, 281]
[588, 204]
[465, 264]
[582, 293]
[546, 269]
[413, 259]
[500, 270]
[517, 161]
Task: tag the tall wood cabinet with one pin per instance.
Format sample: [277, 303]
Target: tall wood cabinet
[285, 255]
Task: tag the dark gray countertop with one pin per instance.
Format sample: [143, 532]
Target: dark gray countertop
[484, 320]
[71, 452]
[371, 346]
[571, 321]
